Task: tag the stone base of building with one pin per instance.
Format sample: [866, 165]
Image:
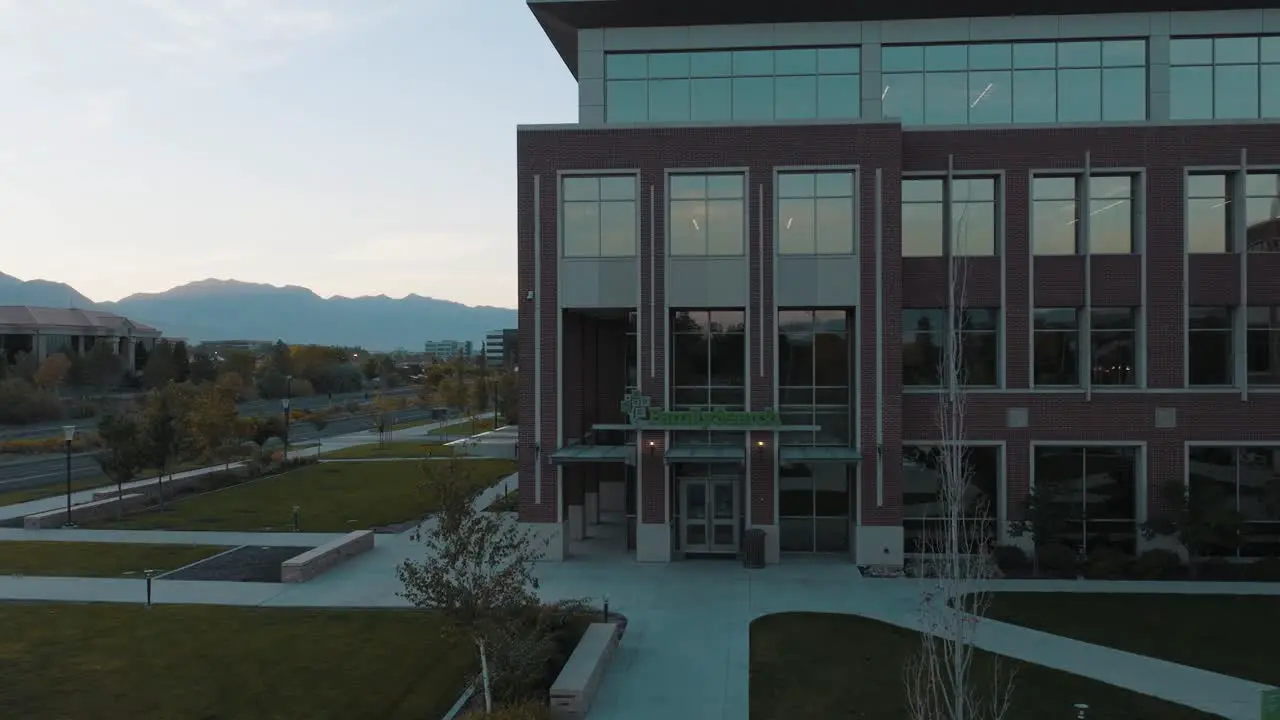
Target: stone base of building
[551, 538]
[878, 545]
[653, 542]
[772, 544]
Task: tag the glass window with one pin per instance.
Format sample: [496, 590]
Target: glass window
[598, 216]
[1124, 94]
[1262, 211]
[922, 218]
[839, 96]
[795, 62]
[1113, 341]
[1263, 345]
[711, 99]
[973, 217]
[1079, 95]
[980, 347]
[839, 61]
[1055, 216]
[1208, 220]
[1224, 78]
[924, 481]
[1035, 96]
[708, 358]
[924, 334]
[946, 98]
[796, 98]
[706, 215]
[990, 99]
[1056, 347]
[815, 214]
[626, 66]
[753, 98]
[903, 97]
[668, 100]
[626, 101]
[1111, 214]
[814, 371]
[1210, 360]
[1096, 491]
[1239, 486]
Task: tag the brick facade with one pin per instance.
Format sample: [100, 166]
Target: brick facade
[1013, 281]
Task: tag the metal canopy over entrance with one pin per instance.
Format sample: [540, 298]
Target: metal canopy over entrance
[595, 454]
[706, 454]
[794, 454]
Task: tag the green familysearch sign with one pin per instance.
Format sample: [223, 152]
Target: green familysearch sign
[1271, 704]
[640, 412]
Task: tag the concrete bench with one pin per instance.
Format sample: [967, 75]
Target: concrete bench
[315, 561]
[85, 512]
[575, 687]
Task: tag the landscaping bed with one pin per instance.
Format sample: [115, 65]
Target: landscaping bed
[817, 666]
[1228, 634]
[394, 449]
[251, 563]
[507, 503]
[122, 662]
[1106, 563]
[94, 559]
[330, 497]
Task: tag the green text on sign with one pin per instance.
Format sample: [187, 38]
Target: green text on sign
[1271, 704]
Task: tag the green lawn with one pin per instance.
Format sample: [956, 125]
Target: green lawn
[92, 482]
[123, 662]
[393, 449]
[468, 427]
[332, 497]
[507, 503]
[92, 559]
[1230, 634]
[814, 666]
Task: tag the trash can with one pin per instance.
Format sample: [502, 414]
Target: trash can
[753, 548]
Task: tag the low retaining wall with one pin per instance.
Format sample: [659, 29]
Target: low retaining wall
[575, 688]
[85, 512]
[316, 561]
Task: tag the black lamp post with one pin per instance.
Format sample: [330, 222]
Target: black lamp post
[68, 434]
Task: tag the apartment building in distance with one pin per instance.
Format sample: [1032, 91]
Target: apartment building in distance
[437, 350]
[501, 349]
[735, 271]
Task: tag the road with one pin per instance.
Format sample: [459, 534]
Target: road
[256, 408]
[41, 470]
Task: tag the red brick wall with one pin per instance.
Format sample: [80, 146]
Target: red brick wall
[1163, 151]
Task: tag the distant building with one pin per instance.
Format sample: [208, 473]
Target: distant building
[222, 347]
[42, 332]
[500, 349]
[445, 349]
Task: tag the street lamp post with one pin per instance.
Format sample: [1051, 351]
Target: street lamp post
[68, 434]
[284, 403]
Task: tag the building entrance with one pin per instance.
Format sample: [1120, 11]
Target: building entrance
[709, 514]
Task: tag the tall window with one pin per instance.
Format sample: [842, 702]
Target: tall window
[925, 339]
[1224, 78]
[1210, 360]
[1056, 226]
[1034, 82]
[1263, 341]
[599, 216]
[631, 368]
[1056, 346]
[1113, 343]
[1262, 211]
[707, 214]
[717, 85]
[816, 213]
[1209, 213]
[813, 507]
[1241, 482]
[973, 214]
[814, 374]
[708, 359]
[922, 485]
[1096, 488]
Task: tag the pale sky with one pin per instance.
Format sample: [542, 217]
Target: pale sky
[356, 147]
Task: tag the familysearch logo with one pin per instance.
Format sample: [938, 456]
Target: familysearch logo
[640, 412]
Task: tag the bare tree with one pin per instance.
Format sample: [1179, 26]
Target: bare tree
[940, 679]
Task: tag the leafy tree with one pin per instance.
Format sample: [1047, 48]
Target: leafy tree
[233, 383]
[162, 430]
[123, 451]
[25, 366]
[102, 367]
[53, 371]
[1045, 517]
[478, 569]
[203, 369]
[21, 403]
[1202, 519]
[159, 368]
[212, 419]
[181, 362]
[281, 359]
[370, 367]
[507, 393]
[241, 363]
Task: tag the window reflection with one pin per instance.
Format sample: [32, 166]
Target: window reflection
[1224, 78]
[816, 213]
[598, 216]
[923, 502]
[785, 84]
[814, 370]
[991, 83]
[1055, 216]
[1263, 345]
[973, 216]
[1238, 487]
[706, 214]
[1262, 211]
[1208, 213]
[1095, 490]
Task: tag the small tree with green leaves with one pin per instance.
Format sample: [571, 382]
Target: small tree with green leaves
[478, 569]
[1201, 519]
[1044, 517]
[123, 451]
[162, 425]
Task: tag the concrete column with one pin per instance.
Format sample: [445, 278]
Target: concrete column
[42, 348]
[131, 355]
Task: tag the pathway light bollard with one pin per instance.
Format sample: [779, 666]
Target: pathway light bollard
[68, 434]
[296, 510]
[1080, 710]
[606, 608]
[150, 574]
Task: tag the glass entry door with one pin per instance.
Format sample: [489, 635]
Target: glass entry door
[709, 515]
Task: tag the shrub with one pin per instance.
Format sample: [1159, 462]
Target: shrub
[1057, 560]
[351, 406]
[82, 410]
[1264, 570]
[22, 403]
[1106, 563]
[1011, 559]
[530, 710]
[1217, 569]
[1158, 564]
[82, 443]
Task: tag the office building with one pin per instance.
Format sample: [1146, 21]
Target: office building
[437, 350]
[500, 349]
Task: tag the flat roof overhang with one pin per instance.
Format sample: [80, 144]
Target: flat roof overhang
[595, 454]
[561, 19]
[789, 454]
[706, 454]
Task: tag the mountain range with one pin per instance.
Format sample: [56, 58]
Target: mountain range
[233, 310]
